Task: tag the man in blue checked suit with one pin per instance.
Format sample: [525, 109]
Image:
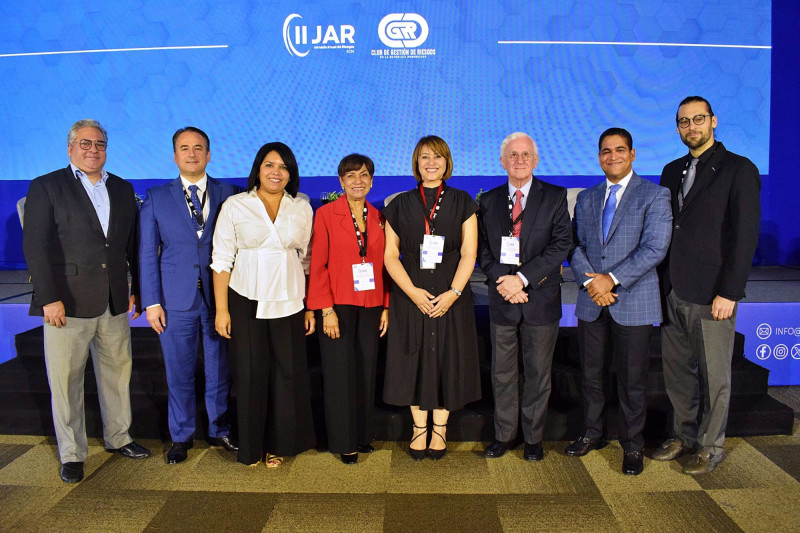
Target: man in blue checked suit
[176, 226]
[623, 227]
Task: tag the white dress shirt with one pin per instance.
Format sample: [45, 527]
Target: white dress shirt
[202, 183]
[267, 260]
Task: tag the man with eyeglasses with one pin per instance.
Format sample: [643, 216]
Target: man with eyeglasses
[524, 237]
[716, 212]
[79, 242]
[176, 225]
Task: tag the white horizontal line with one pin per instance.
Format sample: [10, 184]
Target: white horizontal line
[116, 50]
[615, 43]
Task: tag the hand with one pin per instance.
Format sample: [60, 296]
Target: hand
[722, 308]
[54, 314]
[422, 299]
[310, 321]
[600, 284]
[442, 303]
[222, 323]
[509, 285]
[604, 300]
[330, 324]
[134, 304]
[520, 298]
[156, 318]
[384, 326]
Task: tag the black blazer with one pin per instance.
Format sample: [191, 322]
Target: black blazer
[545, 240]
[69, 258]
[715, 235]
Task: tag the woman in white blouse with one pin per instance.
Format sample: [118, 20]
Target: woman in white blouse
[260, 259]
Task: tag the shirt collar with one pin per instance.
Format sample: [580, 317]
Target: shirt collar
[623, 183]
[78, 173]
[525, 188]
[201, 183]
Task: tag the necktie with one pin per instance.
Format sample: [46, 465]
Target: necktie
[516, 211]
[688, 181]
[198, 207]
[608, 210]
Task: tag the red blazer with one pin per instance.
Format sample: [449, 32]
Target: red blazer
[334, 251]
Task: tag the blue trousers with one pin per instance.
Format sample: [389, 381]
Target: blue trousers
[179, 343]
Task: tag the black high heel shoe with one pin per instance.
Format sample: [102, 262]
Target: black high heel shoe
[438, 454]
[349, 458]
[418, 455]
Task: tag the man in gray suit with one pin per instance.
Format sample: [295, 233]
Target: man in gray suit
[623, 228]
[79, 242]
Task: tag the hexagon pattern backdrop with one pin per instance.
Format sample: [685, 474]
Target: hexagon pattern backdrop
[330, 78]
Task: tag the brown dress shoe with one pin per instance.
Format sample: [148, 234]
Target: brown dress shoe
[671, 449]
[702, 462]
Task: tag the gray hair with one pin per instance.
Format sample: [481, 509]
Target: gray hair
[517, 135]
[85, 123]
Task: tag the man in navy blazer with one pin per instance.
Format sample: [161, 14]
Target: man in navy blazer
[524, 237]
[79, 239]
[623, 228]
[176, 226]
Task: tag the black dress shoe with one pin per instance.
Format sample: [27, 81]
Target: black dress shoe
[178, 452]
[497, 449]
[534, 452]
[131, 451]
[365, 448]
[584, 445]
[349, 458]
[632, 463]
[226, 441]
[72, 472]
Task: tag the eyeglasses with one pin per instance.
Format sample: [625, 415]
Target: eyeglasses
[683, 122]
[86, 144]
[524, 156]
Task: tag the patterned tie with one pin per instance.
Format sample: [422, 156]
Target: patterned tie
[516, 211]
[608, 210]
[688, 181]
[198, 207]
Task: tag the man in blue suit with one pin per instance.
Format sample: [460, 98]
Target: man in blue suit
[623, 227]
[176, 226]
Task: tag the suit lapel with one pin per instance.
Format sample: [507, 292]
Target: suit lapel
[596, 204]
[176, 191]
[213, 189]
[83, 199]
[532, 205]
[707, 175]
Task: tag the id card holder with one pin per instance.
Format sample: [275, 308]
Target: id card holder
[432, 248]
[509, 251]
[363, 277]
[423, 265]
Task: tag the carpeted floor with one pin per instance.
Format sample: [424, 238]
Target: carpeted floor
[757, 488]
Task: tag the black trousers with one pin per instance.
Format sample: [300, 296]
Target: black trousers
[627, 348]
[348, 371]
[270, 376]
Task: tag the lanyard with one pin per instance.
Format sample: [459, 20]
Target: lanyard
[197, 216]
[361, 237]
[430, 228]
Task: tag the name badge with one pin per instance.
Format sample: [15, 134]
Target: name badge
[509, 251]
[432, 248]
[423, 265]
[363, 277]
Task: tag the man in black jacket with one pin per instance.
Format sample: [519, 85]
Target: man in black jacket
[79, 242]
[716, 213]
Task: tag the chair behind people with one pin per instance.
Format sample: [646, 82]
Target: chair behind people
[572, 197]
[390, 198]
[21, 209]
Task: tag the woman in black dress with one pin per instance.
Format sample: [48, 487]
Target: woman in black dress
[432, 356]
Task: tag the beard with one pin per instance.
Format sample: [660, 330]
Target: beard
[696, 142]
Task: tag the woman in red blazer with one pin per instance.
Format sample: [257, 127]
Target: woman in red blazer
[348, 292]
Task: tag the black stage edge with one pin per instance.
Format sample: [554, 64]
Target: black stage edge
[25, 396]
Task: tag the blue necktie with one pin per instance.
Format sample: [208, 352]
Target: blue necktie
[198, 207]
[608, 210]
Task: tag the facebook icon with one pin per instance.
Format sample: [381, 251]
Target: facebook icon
[763, 351]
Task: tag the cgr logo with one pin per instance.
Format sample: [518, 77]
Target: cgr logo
[295, 37]
[763, 331]
[403, 30]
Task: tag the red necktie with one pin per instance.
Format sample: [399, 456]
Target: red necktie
[516, 213]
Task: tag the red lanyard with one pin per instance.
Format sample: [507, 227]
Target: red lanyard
[429, 218]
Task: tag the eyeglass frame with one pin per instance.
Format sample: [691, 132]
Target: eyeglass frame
[100, 146]
[683, 125]
[513, 156]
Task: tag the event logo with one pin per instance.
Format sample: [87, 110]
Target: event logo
[763, 331]
[296, 41]
[763, 351]
[403, 34]
[403, 30]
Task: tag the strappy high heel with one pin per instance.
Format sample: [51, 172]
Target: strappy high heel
[418, 455]
[438, 454]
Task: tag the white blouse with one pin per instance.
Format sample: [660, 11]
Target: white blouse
[267, 260]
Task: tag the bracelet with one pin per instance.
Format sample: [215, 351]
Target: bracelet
[327, 313]
[458, 292]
